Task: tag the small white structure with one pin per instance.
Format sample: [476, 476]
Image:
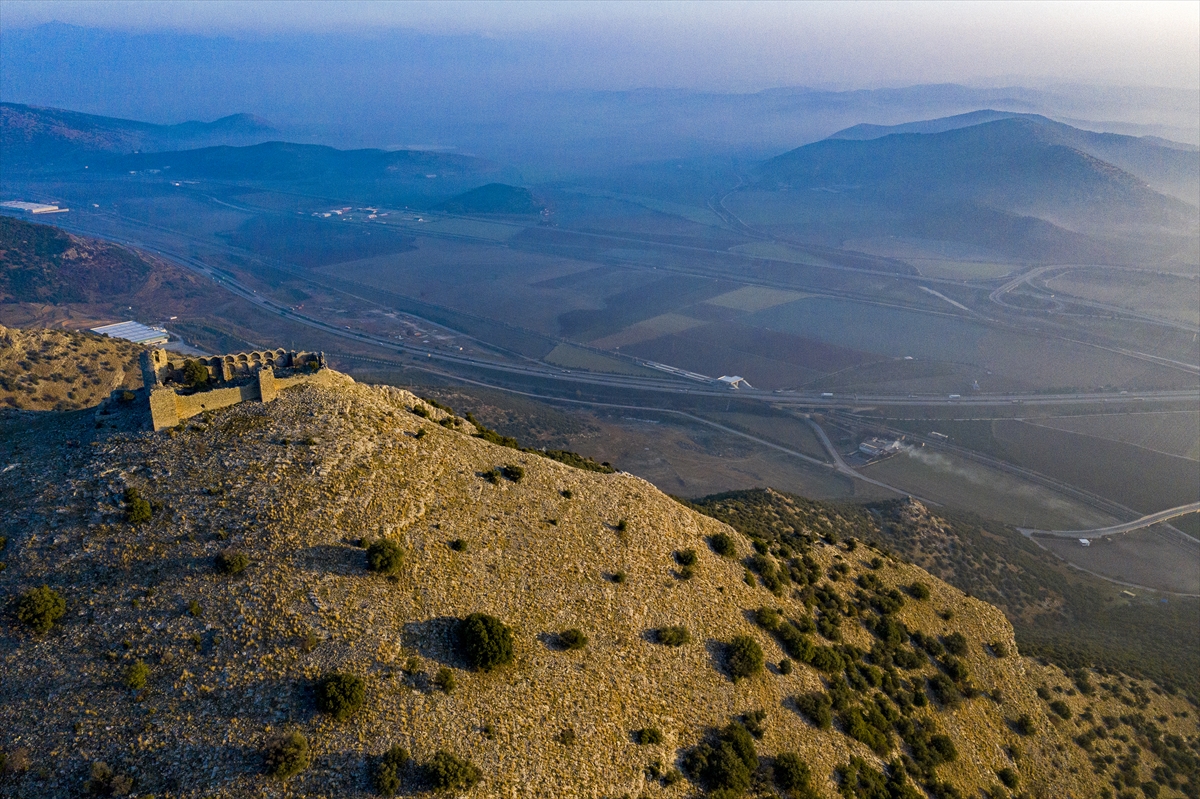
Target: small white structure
[34, 208]
[135, 332]
[1083, 542]
[877, 447]
[733, 381]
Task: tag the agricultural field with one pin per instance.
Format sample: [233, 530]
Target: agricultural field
[1170, 432]
[661, 325]
[1165, 296]
[755, 298]
[1156, 558]
[572, 357]
[950, 480]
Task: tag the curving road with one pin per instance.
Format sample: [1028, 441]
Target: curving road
[1116, 529]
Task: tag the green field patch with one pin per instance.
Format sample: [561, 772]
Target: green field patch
[1171, 432]
[573, 357]
[662, 325]
[756, 298]
[778, 252]
[962, 270]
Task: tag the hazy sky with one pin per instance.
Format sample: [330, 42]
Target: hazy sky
[732, 46]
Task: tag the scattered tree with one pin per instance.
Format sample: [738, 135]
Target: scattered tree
[40, 608]
[485, 642]
[341, 695]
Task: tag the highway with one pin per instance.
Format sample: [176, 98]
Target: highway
[1116, 529]
[667, 385]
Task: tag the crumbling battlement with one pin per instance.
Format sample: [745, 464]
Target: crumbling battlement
[233, 378]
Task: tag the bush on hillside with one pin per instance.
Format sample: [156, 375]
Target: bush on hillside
[384, 556]
[513, 472]
[793, 777]
[287, 755]
[817, 707]
[918, 590]
[136, 675]
[40, 608]
[722, 544]
[744, 657]
[485, 642]
[231, 561]
[648, 736]
[686, 557]
[137, 509]
[341, 695]
[388, 772]
[724, 765]
[955, 643]
[672, 636]
[572, 639]
[444, 680]
[448, 772]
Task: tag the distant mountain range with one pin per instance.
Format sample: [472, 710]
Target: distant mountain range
[30, 135]
[1018, 185]
[1168, 167]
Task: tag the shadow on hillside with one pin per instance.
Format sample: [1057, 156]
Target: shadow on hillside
[435, 639]
[346, 561]
[717, 653]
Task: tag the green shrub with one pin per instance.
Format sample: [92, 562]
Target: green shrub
[672, 636]
[686, 557]
[767, 618]
[458, 545]
[231, 561]
[1025, 725]
[341, 695]
[444, 680]
[194, 610]
[287, 755]
[817, 707]
[618, 577]
[827, 659]
[622, 526]
[136, 675]
[195, 374]
[566, 737]
[384, 556]
[137, 509]
[792, 775]
[103, 781]
[723, 545]
[1009, 777]
[944, 690]
[40, 608]
[485, 642]
[785, 667]
[918, 590]
[448, 772]
[389, 771]
[648, 736]
[513, 472]
[1060, 709]
[572, 639]
[955, 643]
[725, 765]
[744, 657]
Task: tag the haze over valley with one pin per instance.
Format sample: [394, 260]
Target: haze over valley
[939, 330]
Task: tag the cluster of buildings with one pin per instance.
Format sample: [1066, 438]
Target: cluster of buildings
[33, 208]
[879, 448]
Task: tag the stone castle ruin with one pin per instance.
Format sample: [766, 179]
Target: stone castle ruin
[174, 394]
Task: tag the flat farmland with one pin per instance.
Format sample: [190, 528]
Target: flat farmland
[1170, 433]
[1016, 361]
[573, 357]
[514, 287]
[767, 359]
[1138, 478]
[1166, 296]
[948, 479]
[755, 298]
[661, 325]
[1155, 558]
[455, 226]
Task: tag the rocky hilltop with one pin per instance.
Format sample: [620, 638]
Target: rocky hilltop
[178, 602]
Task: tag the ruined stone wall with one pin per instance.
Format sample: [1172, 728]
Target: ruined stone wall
[251, 376]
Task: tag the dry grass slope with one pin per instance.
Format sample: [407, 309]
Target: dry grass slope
[298, 486]
[56, 370]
